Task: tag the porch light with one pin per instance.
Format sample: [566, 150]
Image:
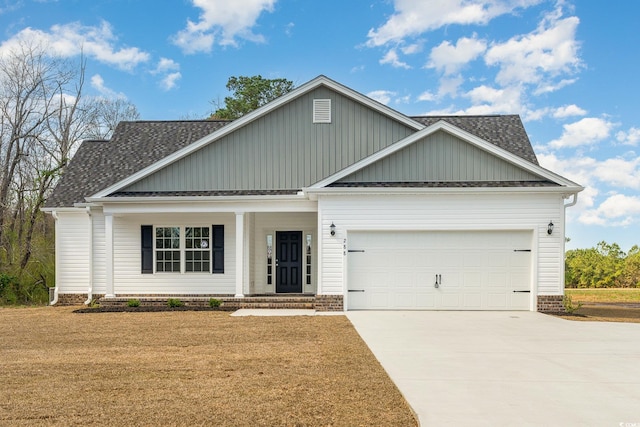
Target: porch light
[550, 228]
[333, 229]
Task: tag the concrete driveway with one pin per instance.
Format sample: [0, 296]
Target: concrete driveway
[508, 368]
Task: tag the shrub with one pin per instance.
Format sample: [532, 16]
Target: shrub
[214, 302]
[174, 302]
[133, 303]
[568, 304]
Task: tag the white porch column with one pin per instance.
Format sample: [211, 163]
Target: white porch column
[108, 236]
[239, 255]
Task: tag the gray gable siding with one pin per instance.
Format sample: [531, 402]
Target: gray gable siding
[440, 157]
[282, 150]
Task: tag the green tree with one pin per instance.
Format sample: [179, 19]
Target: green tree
[599, 267]
[631, 272]
[250, 93]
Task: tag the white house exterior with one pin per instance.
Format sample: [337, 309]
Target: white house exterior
[322, 193]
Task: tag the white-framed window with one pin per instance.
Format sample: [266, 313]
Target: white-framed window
[168, 249]
[197, 256]
[182, 249]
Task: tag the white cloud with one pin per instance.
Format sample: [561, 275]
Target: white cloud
[165, 65]
[631, 137]
[411, 49]
[427, 96]
[169, 69]
[587, 131]
[222, 22]
[619, 172]
[617, 210]
[488, 100]
[170, 80]
[382, 96]
[549, 51]
[97, 82]
[391, 57]
[412, 17]
[449, 86]
[592, 174]
[449, 59]
[548, 86]
[72, 39]
[568, 111]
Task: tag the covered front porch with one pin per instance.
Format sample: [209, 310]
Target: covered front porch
[233, 248]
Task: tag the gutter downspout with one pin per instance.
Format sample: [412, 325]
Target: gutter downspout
[54, 214]
[573, 202]
[564, 241]
[90, 290]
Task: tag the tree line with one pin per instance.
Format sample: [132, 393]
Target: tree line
[605, 266]
[44, 115]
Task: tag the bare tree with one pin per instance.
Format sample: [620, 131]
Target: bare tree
[108, 112]
[43, 118]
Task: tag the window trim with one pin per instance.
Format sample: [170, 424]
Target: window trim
[215, 250]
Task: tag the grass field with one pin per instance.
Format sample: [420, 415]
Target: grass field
[605, 295]
[190, 368]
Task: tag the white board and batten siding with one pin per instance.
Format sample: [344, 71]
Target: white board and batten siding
[527, 213]
[72, 252]
[127, 275]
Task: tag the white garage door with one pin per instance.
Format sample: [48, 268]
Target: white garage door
[448, 270]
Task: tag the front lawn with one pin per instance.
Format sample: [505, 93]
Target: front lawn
[606, 295]
[189, 368]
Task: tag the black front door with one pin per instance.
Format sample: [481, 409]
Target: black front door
[289, 261]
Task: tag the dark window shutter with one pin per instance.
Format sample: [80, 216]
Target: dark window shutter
[217, 249]
[147, 249]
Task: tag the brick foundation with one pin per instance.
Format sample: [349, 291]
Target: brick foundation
[310, 302]
[329, 303]
[75, 299]
[550, 304]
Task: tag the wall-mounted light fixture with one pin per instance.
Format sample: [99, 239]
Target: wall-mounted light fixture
[333, 229]
[550, 228]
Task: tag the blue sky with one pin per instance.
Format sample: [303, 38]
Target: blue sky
[568, 68]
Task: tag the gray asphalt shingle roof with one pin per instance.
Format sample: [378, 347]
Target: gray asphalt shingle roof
[134, 146]
[506, 131]
[137, 145]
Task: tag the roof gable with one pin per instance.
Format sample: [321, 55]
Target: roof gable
[255, 115]
[440, 157]
[367, 167]
[285, 148]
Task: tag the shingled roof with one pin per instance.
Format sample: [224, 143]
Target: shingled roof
[134, 146]
[507, 132]
[137, 145]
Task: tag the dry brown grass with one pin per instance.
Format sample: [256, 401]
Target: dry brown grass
[189, 368]
[607, 313]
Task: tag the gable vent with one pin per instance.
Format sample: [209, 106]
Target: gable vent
[321, 111]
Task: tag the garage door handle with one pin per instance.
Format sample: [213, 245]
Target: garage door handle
[356, 290]
[355, 250]
[523, 292]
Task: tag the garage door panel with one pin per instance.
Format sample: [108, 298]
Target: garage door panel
[497, 301]
[472, 301]
[478, 270]
[472, 280]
